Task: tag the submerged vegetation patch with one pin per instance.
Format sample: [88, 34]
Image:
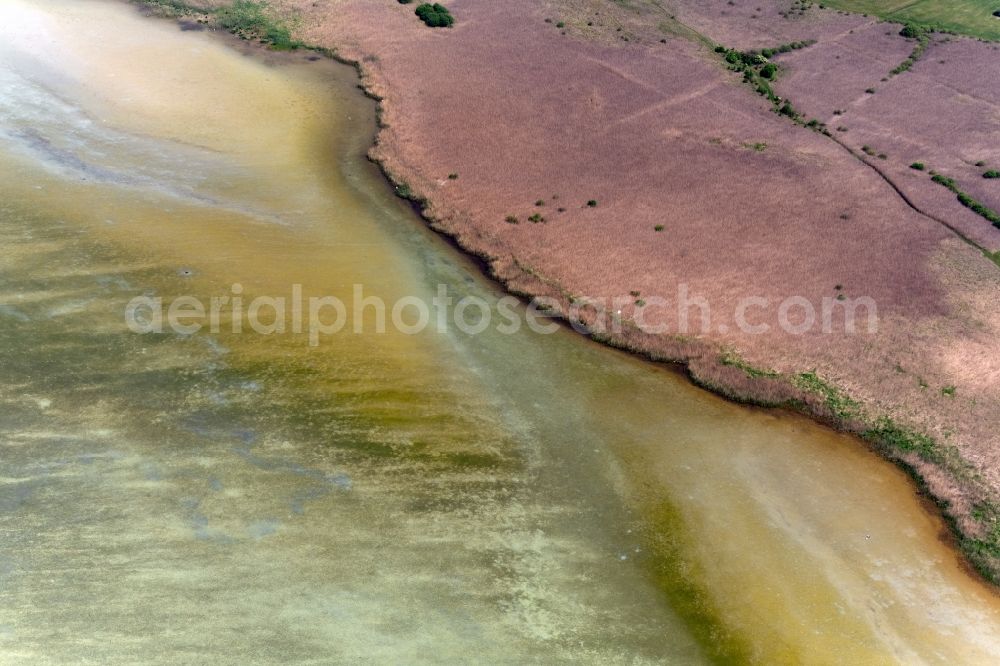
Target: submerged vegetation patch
[676, 574]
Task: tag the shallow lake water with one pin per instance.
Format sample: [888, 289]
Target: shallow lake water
[380, 497]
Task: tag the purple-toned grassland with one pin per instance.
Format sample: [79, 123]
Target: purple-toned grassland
[662, 134]
[944, 112]
[753, 24]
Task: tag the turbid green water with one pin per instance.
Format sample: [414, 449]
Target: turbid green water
[379, 498]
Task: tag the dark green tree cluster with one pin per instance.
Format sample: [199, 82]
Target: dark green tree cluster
[759, 73]
[435, 16]
[734, 57]
[753, 66]
[914, 31]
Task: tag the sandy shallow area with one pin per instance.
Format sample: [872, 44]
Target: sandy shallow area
[699, 183]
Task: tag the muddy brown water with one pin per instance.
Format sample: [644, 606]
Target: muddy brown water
[380, 498]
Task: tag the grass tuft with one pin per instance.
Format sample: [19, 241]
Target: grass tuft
[252, 20]
[838, 402]
[733, 360]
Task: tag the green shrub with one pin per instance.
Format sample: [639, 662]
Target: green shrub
[658, 227]
[765, 90]
[902, 67]
[944, 180]
[592, 203]
[435, 16]
[992, 173]
[785, 48]
[511, 219]
[919, 166]
[769, 70]
[979, 209]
